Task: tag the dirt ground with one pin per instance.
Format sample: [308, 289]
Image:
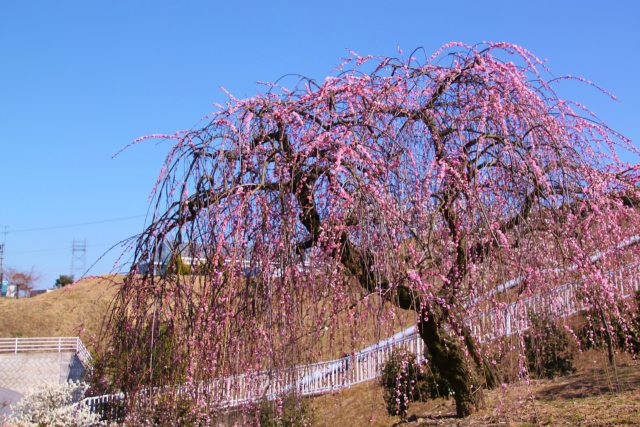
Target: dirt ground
[590, 397]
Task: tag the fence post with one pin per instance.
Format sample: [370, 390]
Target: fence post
[59, 344]
[15, 348]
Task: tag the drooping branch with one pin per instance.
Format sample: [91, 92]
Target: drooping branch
[427, 184]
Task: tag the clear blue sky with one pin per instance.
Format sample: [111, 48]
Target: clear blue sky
[81, 79]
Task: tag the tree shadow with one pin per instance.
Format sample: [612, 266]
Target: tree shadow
[593, 383]
[426, 420]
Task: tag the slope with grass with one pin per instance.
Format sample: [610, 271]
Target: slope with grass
[75, 310]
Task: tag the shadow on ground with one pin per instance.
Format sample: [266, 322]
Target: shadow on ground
[595, 382]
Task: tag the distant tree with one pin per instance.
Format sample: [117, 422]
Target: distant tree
[23, 280]
[423, 183]
[63, 281]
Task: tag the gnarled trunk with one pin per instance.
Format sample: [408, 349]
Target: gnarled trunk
[489, 373]
[447, 356]
[445, 352]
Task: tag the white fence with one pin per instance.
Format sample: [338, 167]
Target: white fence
[367, 364]
[560, 302]
[47, 344]
[304, 380]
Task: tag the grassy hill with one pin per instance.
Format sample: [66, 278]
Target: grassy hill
[75, 310]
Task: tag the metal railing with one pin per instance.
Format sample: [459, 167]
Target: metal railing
[48, 344]
[561, 302]
[367, 364]
[305, 380]
[84, 356]
[20, 345]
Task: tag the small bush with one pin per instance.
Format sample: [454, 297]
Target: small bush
[288, 411]
[549, 349]
[112, 411]
[405, 380]
[165, 407]
[171, 409]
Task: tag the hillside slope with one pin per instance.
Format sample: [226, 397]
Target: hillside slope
[77, 309]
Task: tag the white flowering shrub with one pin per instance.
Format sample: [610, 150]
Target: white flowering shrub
[52, 405]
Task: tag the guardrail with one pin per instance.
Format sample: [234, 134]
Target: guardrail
[366, 365]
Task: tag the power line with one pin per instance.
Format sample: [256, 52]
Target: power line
[79, 224]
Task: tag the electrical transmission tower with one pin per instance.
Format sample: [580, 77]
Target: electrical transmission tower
[78, 258]
[2, 245]
[1, 262]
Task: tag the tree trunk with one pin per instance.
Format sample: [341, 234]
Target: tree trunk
[445, 353]
[490, 374]
[449, 359]
[610, 350]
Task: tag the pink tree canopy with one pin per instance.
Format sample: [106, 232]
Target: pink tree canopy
[427, 181]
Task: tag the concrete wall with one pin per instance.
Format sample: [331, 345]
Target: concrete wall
[24, 371]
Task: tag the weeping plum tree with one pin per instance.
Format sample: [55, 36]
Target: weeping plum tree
[425, 183]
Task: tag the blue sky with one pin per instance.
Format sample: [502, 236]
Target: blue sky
[80, 79]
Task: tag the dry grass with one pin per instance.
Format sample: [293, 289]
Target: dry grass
[75, 310]
[590, 397]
